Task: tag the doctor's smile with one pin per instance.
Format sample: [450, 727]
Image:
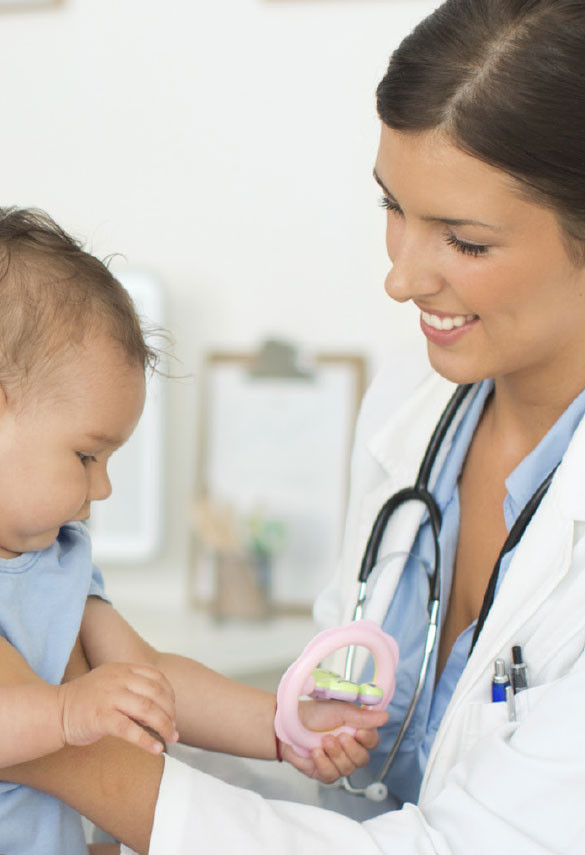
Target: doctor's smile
[446, 329]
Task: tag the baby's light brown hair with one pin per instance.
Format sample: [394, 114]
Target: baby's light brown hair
[53, 295]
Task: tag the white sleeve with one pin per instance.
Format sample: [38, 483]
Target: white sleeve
[198, 813]
[518, 790]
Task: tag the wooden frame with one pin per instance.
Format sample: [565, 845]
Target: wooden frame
[27, 5]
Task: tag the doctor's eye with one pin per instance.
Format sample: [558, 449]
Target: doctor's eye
[86, 458]
[473, 249]
[390, 205]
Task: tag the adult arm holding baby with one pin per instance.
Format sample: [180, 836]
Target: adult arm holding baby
[111, 781]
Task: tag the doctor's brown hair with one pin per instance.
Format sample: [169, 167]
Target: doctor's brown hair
[54, 294]
[505, 80]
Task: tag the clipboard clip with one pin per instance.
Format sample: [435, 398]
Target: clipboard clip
[279, 360]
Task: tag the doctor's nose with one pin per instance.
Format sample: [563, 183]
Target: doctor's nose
[412, 275]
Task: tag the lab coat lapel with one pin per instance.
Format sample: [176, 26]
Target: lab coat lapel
[541, 560]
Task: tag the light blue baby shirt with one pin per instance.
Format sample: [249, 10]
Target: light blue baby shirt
[42, 598]
[411, 598]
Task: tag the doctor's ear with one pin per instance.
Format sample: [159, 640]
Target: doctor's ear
[11, 398]
[3, 399]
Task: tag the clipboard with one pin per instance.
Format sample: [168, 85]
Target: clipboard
[276, 437]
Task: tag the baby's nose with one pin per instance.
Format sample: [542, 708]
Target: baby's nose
[101, 487]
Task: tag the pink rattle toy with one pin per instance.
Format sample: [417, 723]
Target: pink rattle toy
[304, 677]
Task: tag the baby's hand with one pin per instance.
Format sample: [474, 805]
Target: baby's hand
[338, 755]
[115, 700]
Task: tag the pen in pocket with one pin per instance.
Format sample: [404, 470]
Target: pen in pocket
[500, 682]
[519, 671]
[511, 702]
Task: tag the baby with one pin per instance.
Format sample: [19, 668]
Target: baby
[72, 388]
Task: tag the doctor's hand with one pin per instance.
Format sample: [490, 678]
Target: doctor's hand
[338, 755]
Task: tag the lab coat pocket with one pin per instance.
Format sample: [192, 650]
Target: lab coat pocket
[525, 701]
[481, 719]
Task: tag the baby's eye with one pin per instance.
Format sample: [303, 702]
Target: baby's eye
[86, 458]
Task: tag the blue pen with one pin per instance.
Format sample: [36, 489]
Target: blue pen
[500, 682]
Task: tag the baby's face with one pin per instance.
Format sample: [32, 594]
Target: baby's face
[54, 451]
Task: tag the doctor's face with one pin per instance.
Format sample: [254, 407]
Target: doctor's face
[497, 291]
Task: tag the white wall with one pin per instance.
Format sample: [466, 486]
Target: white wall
[226, 145]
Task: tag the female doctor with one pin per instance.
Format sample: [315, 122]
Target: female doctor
[481, 167]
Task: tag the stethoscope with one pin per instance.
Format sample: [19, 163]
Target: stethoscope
[377, 789]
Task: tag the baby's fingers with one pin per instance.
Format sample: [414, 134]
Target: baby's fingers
[152, 690]
[124, 728]
[155, 676]
[158, 716]
[338, 756]
[368, 738]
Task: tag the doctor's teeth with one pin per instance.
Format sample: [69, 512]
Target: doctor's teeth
[446, 323]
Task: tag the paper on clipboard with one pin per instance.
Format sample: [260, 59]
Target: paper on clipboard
[281, 446]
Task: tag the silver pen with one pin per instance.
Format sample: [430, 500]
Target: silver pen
[511, 702]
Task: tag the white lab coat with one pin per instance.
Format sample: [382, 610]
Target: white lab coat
[491, 785]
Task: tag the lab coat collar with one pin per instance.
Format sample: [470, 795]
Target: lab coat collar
[570, 477]
[400, 445]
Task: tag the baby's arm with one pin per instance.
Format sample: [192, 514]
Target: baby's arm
[219, 714]
[39, 718]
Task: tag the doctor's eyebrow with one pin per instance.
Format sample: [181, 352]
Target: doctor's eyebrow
[429, 219]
